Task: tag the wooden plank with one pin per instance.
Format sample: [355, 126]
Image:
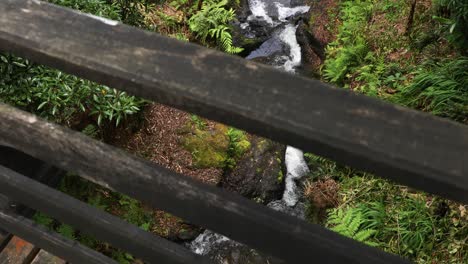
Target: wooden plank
[52, 242]
[44, 257]
[100, 224]
[413, 148]
[272, 232]
[17, 251]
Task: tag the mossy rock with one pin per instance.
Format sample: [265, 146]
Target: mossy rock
[209, 148]
[258, 173]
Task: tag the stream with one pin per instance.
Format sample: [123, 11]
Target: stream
[281, 50]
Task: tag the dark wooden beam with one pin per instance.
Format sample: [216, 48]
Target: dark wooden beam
[86, 218]
[50, 241]
[410, 147]
[272, 232]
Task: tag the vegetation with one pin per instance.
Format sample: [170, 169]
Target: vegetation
[215, 146]
[441, 88]
[422, 65]
[212, 21]
[59, 96]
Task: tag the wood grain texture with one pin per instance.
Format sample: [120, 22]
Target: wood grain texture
[410, 147]
[44, 257]
[52, 242]
[272, 232]
[17, 251]
[100, 224]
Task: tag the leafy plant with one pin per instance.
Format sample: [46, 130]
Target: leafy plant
[238, 145]
[212, 21]
[67, 231]
[454, 20]
[350, 223]
[441, 88]
[102, 8]
[59, 96]
[350, 49]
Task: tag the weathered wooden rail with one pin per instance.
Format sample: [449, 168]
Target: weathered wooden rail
[407, 146]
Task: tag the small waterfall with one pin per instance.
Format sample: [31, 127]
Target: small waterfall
[287, 51]
[296, 168]
[288, 36]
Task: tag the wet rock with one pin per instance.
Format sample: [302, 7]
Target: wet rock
[312, 50]
[222, 250]
[259, 174]
[299, 210]
[228, 253]
[188, 234]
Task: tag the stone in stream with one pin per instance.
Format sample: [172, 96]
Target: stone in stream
[258, 175]
[222, 250]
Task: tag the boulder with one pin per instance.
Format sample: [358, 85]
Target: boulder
[258, 175]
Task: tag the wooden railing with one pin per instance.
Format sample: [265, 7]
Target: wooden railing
[396, 143]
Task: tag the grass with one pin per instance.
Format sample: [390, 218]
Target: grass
[416, 225]
[425, 70]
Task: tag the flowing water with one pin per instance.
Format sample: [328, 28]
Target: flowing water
[284, 52]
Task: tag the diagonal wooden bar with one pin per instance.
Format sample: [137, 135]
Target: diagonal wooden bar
[104, 226]
[410, 147]
[272, 232]
[50, 241]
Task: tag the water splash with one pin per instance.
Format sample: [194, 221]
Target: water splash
[258, 9]
[296, 168]
[285, 12]
[288, 36]
[203, 244]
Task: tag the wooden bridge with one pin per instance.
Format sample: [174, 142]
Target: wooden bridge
[409, 147]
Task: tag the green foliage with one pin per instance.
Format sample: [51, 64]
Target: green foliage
[91, 131]
[66, 231]
[454, 21]
[350, 50]
[349, 223]
[238, 145]
[199, 122]
[441, 88]
[43, 219]
[102, 8]
[212, 21]
[133, 212]
[59, 96]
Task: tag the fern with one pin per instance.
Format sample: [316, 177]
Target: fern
[212, 21]
[350, 223]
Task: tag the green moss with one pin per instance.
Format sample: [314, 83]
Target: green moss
[208, 148]
[280, 176]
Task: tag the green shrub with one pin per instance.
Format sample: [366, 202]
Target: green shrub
[212, 21]
[58, 96]
[100, 8]
[441, 88]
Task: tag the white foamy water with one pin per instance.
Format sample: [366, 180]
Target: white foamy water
[288, 36]
[204, 242]
[258, 9]
[296, 168]
[285, 12]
